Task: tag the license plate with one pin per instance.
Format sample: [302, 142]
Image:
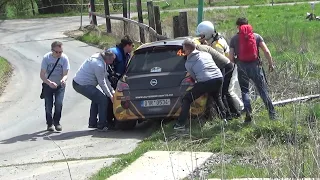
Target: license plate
[156, 102]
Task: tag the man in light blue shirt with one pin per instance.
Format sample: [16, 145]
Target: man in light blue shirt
[55, 84]
[91, 73]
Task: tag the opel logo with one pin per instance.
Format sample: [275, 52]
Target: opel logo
[153, 82]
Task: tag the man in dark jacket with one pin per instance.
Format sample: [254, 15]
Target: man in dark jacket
[118, 68]
[208, 77]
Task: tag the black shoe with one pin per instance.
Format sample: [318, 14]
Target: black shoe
[58, 127]
[273, 117]
[236, 115]
[102, 129]
[229, 118]
[111, 126]
[50, 128]
[93, 126]
[248, 119]
[179, 127]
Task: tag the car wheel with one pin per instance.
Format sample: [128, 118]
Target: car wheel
[126, 125]
[210, 111]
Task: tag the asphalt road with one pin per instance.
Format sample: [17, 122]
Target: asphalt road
[22, 116]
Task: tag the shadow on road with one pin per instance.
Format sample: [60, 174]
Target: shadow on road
[140, 132]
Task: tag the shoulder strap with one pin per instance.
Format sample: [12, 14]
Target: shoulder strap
[53, 68]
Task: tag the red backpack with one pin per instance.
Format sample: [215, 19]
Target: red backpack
[248, 50]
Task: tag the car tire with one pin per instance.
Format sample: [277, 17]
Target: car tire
[126, 125]
[210, 111]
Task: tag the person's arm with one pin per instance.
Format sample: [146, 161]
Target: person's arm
[109, 84]
[66, 68]
[99, 71]
[190, 71]
[43, 77]
[267, 54]
[231, 49]
[216, 56]
[231, 55]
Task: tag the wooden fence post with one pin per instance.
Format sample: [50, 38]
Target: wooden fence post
[176, 30]
[140, 20]
[93, 9]
[107, 12]
[157, 19]
[151, 18]
[183, 24]
[125, 14]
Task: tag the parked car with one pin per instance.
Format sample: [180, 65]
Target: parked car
[153, 85]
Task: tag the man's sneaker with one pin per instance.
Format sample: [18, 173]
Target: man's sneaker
[58, 127]
[179, 127]
[274, 117]
[93, 126]
[248, 119]
[104, 129]
[50, 128]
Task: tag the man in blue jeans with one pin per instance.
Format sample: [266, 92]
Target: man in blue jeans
[91, 73]
[56, 64]
[251, 69]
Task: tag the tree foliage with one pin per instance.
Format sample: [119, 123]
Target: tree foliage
[27, 7]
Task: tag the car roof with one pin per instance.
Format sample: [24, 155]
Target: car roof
[168, 42]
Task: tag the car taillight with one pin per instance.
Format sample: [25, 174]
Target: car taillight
[188, 81]
[122, 86]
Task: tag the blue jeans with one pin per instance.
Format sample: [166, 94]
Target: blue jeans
[58, 95]
[253, 71]
[99, 104]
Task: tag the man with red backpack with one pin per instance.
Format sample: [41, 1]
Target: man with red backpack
[244, 51]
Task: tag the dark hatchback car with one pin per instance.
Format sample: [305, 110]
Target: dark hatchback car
[153, 85]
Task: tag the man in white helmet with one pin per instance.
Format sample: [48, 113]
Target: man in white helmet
[209, 36]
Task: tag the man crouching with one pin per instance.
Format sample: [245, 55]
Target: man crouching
[208, 77]
[91, 73]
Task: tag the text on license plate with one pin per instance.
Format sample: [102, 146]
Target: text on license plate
[156, 102]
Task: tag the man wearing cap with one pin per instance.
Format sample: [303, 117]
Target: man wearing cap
[91, 73]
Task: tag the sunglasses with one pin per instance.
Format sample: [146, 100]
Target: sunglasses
[58, 52]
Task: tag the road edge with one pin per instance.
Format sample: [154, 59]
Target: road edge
[5, 73]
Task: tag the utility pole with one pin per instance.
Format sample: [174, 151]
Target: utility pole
[129, 13]
[107, 12]
[93, 9]
[200, 11]
[81, 9]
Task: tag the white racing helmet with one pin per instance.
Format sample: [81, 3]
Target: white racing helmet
[206, 29]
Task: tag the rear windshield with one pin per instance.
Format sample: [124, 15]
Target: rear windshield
[157, 59]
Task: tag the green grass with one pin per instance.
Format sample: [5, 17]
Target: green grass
[5, 72]
[173, 4]
[99, 41]
[262, 141]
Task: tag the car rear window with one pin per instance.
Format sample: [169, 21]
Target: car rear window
[157, 59]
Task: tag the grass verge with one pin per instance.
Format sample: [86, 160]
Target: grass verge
[5, 73]
[253, 150]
